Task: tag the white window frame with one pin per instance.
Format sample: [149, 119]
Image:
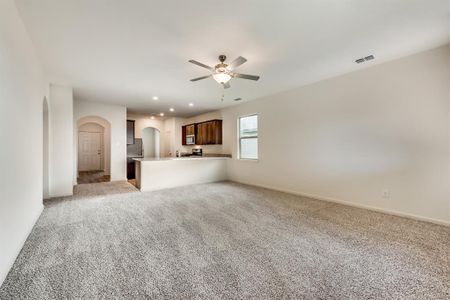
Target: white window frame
[239, 137]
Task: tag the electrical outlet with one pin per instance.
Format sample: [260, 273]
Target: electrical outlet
[386, 193]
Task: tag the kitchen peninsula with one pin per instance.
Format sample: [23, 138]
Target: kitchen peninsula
[167, 172]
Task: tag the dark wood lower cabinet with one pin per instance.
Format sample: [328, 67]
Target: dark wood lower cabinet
[130, 169]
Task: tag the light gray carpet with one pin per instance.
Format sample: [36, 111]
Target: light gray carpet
[225, 241]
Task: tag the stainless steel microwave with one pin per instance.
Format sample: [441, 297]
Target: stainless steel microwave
[190, 139]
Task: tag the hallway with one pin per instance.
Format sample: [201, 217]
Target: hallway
[101, 189]
[92, 177]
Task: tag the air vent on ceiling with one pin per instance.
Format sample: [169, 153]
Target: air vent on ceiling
[237, 99]
[364, 59]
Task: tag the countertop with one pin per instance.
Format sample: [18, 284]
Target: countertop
[180, 158]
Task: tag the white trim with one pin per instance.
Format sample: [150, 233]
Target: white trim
[238, 134]
[255, 160]
[30, 228]
[348, 203]
[60, 195]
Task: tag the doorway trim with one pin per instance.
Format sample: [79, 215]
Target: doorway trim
[106, 141]
[45, 150]
[157, 140]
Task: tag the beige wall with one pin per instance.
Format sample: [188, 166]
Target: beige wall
[151, 142]
[350, 138]
[62, 143]
[172, 135]
[143, 121]
[22, 91]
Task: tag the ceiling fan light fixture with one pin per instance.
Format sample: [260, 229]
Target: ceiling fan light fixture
[222, 72]
[222, 77]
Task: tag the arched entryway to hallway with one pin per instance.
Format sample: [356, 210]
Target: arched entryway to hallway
[151, 142]
[93, 150]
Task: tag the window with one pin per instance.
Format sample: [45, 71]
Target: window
[248, 137]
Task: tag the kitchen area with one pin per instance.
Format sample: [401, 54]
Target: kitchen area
[155, 169]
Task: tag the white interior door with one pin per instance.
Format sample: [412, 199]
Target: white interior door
[89, 151]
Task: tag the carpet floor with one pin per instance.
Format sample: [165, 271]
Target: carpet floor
[224, 241]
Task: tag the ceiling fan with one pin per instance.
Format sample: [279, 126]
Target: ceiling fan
[222, 72]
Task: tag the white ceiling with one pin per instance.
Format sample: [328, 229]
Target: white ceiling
[124, 52]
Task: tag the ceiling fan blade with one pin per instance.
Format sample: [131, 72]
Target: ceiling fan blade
[200, 78]
[201, 65]
[226, 85]
[237, 62]
[246, 76]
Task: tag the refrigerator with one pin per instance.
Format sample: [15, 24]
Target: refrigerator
[133, 151]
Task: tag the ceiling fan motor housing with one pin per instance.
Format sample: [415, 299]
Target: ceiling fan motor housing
[222, 58]
[221, 68]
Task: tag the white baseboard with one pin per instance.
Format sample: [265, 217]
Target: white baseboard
[344, 202]
[118, 179]
[58, 196]
[19, 247]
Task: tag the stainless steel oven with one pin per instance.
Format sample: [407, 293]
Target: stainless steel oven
[197, 152]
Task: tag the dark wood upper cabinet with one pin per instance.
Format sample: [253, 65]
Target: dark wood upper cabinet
[190, 129]
[206, 133]
[201, 134]
[183, 135]
[130, 132]
[209, 133]
[216, 126]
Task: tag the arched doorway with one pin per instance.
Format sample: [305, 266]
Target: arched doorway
[151, 142]
[93, 150]
[45, 150]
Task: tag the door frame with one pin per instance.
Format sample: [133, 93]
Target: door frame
[109, 168]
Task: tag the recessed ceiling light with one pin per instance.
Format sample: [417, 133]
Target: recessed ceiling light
[191, 104]
[155, 98]
[161, 114]
[171, 109]
[152, 117]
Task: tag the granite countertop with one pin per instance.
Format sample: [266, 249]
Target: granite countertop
[181, 158]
